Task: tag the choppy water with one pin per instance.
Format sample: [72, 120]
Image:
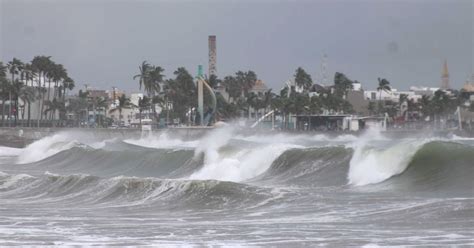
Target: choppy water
[234, 190]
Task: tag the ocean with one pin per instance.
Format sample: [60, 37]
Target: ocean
[238, 190]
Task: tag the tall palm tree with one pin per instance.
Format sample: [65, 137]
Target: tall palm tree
[55, 105]
[384, 85]
[14, 68]
[124, 103]
[58, 73]
[251, 102]
[156, 77]
[143, 103]
[27, 95]
[3, 89]
[303, 79]
[68, 84]
[98, 104]
[41, 65]
[15, 90]
[153, 87]
[144, 74]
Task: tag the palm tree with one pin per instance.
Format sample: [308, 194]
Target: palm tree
[77, 106]
[15, 89]
[232, 88]
[14, 68]
[98, 104]
[144, 75]
[303, 79]
[124, 102]
[27, 94]
[29, 74]
[246, 80]
[251, 102]
[58, 74]
[54, 106]
[156, 77]
[41, 64]
[68, 84]
[342, 84]
[143, 103]
[267, 99]
[3, 88]
[384, 85]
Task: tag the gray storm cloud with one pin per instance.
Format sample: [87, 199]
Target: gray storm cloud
[102, 42]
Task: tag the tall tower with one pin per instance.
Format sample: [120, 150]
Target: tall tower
[212, 55]
[445, 76]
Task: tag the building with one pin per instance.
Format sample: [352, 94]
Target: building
[212, 55]
[259, 88]
[469, 85]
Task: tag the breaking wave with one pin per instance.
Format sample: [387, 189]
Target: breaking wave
[130, 191]
[224, 165]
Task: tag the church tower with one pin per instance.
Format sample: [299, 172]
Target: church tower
[445, 76]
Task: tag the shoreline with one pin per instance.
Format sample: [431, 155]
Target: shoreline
[20, 137]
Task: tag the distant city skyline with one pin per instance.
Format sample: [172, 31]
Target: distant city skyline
[103, 42]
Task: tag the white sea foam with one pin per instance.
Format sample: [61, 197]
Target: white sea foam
[47, 147]
[245, 164]
[371, 164]
[9, 151]
[13, 179]
[162, 141]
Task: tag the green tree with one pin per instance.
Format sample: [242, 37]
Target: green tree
[251, 103]
[3, 89]
[98, 104]
[144, 75]
[55, 106]
[303, 79]
[78, 106]
[143, 104]
[42, 65]
[232, 87]
[342, 85]
[14, 68]
[384, 85]
[182, 92]
[246, 80]
[213, 81]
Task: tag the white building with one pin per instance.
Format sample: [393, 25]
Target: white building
[392, 95]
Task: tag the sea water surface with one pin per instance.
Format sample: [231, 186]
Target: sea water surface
[230, 189]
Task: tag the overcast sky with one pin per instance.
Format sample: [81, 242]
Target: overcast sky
[102, 42]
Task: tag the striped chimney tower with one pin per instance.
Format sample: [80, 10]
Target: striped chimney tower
[212, 55]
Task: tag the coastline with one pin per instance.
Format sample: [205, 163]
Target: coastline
[20, 137]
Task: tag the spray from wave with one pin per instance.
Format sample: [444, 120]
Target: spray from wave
[376, 162]
[236, 166]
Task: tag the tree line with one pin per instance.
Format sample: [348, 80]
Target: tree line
[42, 80]
[45, 82]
